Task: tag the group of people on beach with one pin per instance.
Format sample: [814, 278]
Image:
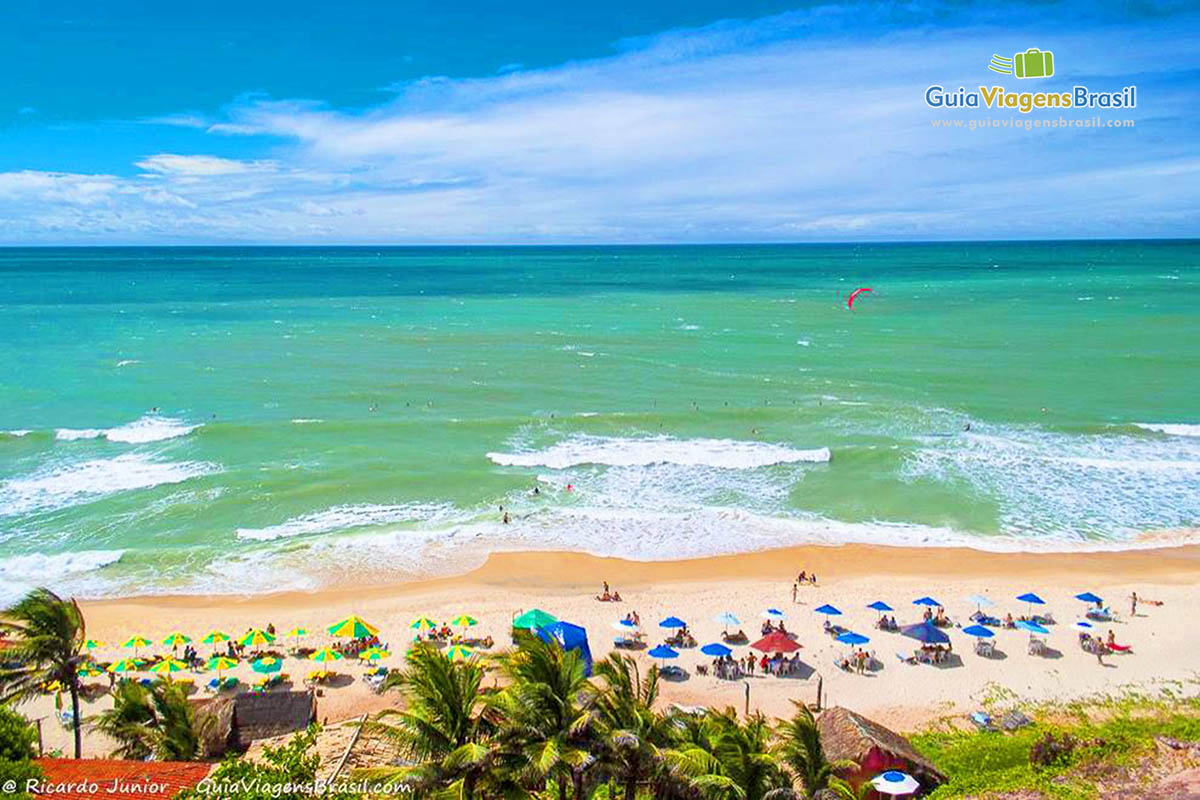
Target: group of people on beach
[805, 578]
[607, 596]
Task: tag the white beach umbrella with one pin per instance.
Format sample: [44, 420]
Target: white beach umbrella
[895, 782]
[980, 602]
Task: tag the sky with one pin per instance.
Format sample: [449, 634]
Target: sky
[528, 122]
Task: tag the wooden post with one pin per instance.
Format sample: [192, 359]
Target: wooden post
[41, 752]
[747, 684]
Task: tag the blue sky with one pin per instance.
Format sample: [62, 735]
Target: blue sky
[530, 122]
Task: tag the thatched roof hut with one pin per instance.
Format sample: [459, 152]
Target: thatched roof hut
[214, 721]
[846, 736]
[267, 714]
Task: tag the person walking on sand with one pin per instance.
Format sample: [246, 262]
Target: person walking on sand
[1133, 600]
[795, 587]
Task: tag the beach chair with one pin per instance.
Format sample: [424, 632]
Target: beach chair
[1037, 647]
[1015, 720]
[230, 682]
[984, 647]
[1120, 648]
[905, 659]
[983, 721]
[1101, 614]
[65, 718]
[213, 685]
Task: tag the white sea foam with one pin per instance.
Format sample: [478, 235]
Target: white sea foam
[150, 428]
[1171, 428]
[306, 421]
[126, 362]
[347, 517]
[627, 451]
[61, 486]
[18, 574]
[18, 433]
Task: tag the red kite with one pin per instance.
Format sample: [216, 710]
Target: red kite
[854, 294]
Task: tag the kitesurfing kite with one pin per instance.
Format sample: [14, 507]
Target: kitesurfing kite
[854, 294]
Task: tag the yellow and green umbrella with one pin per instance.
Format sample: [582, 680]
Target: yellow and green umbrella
[325, 655]
[374, 654]
[136, 642]
[267, 664]
[92, 644]
[213, 637]
[296, 633]
[221, 663]
[423, 624]
[126, 665]
[354, 627]
[168, 665]
[89, 670]
[456, 652]
[176, 639]
[464, 621]
[256, 637]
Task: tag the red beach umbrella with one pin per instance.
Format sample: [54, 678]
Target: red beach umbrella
[777, 642]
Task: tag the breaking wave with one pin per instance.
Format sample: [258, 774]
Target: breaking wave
[628, 452]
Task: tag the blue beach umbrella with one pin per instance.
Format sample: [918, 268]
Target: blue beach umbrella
[926, 601]
[1032, 627]
[1086, 627]
[1030, 597]
[672, 622]
[851, 638]
[828, 610]
[880, 606]
[772, 613]
[979, 631]
[716, 649]
[1088, 597]
[663, 652]
[926, 633]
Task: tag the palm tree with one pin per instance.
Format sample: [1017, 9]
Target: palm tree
[443, 731]
[546, 713]
[634, 737]
[717, 755]
[151, 721]
[799, 747]
[48, 635]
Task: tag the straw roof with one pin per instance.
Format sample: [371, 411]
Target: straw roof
[851, 737]
[267, 714]
[217, 735]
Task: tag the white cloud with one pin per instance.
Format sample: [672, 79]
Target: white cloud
[201, 166]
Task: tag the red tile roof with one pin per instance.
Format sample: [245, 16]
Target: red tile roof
[92, 778]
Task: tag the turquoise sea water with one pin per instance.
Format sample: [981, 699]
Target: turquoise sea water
[247, 419]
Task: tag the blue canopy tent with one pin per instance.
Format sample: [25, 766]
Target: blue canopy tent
[926, 633]
[569, 637]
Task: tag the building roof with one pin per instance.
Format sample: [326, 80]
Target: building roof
[846, 736]
[144, 780]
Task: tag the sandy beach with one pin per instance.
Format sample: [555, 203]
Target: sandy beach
[850, 577]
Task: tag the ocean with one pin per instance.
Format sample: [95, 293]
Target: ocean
[256, 419]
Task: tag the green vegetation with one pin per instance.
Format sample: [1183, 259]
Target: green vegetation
[1061, 755]
[48, 635]
[18, 746]
[154, 721]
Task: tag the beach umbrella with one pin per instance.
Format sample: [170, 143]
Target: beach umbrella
[772, 613]
[672, 622]
[136, 643]
[464, 621]
[213, 637]
[1032, 600]
[776, 642]
[926, 601]
[880, 606]
[175, 639]
[221, 663]
[853, 639]
[534, 618]
[980, 602]
[89, 670]
[895, 782]
[1086, 627]
[353, 627]
[126, 665]
[979, 631]
[92, 644]
[1032, 627]
[267, 664]
[726, 618]
[325, 655]
[374, 654]
[926, 633]
[1088, 597]
[716, 649]
[663, 652]
[422, 624]
[168, 665]
[456, 652]
[828, 610]
[625, 625]
[296, 633]
[256, 637]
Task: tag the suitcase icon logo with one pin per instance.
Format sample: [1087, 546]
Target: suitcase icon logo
[1033, 63]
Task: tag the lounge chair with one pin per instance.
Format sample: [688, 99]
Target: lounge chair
[214, 685]
[983, 721]
[1037, 647]
[1120, 648]
[1101, 614]
[906, 659]
[984, 647]
[1015, 719]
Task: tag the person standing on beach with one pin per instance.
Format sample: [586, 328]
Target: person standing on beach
[1133, 600]
[795, 587]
